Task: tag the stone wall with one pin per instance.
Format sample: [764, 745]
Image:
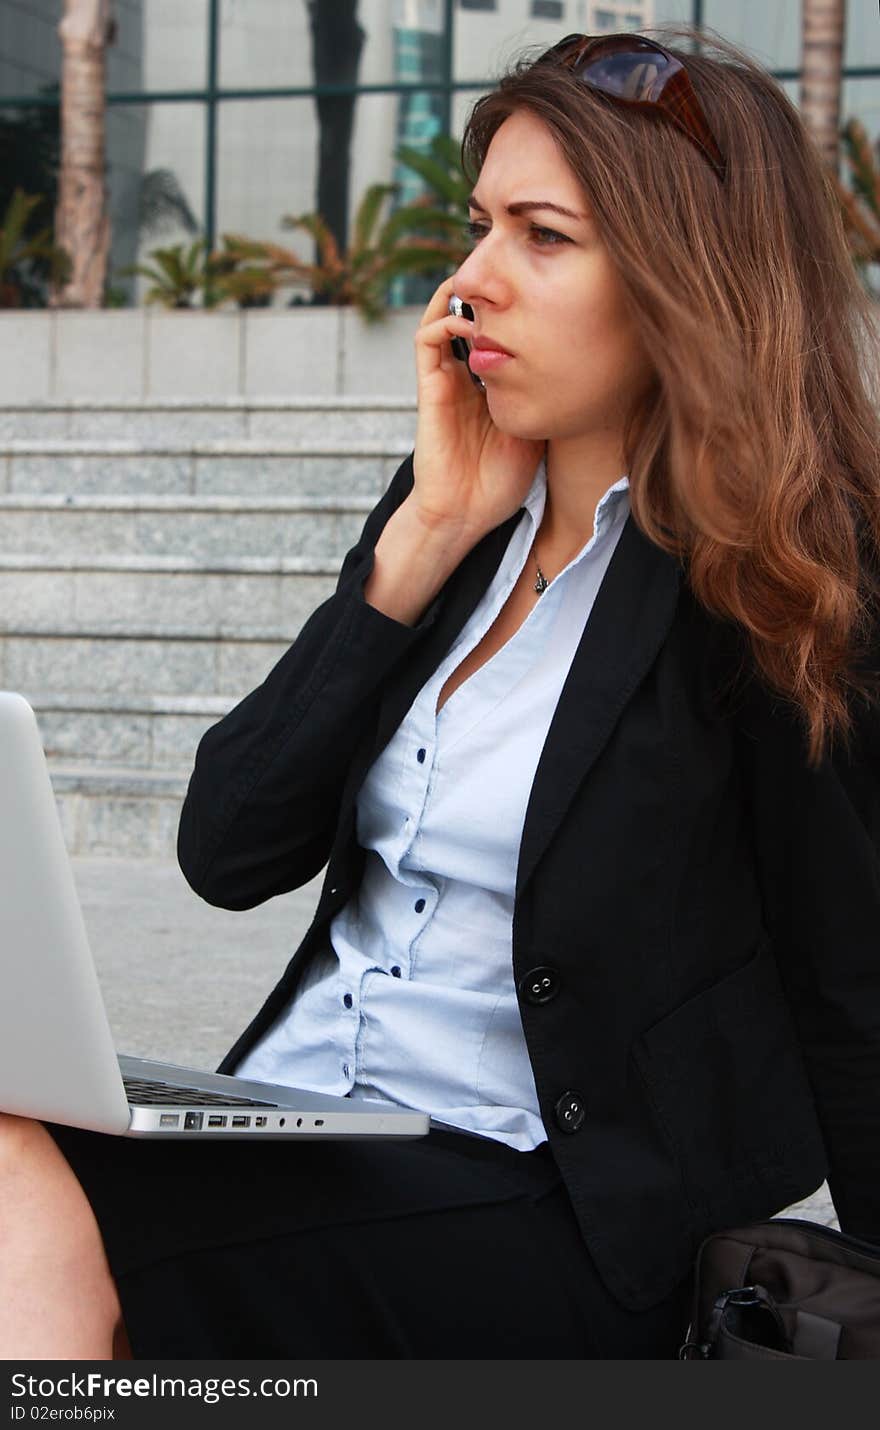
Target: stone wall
[145, 352]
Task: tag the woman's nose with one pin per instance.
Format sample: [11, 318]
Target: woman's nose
[479, 277]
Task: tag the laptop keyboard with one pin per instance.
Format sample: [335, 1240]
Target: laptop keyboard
[146, 1091]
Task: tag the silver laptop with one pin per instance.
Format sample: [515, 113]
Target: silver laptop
[57, 1060]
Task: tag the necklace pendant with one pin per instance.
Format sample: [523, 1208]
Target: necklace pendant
[542, 583]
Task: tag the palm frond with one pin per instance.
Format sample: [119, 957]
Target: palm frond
[368, 212]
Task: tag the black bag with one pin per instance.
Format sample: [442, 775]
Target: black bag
[785, 1289]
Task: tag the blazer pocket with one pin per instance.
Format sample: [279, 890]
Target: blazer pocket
[726, 1078]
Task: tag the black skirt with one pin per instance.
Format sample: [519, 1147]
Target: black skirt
[444, 1247]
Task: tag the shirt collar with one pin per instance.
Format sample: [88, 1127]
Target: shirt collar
[537, 496]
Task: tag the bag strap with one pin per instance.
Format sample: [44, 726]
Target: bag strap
[735, 1297]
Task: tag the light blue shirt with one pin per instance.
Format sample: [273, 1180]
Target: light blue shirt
[416, 1004]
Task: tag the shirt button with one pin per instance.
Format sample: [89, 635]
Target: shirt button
[395, 972]
[348, 1000]
[570, 1111]
[421, 757]
[419, 905]
[539, 985]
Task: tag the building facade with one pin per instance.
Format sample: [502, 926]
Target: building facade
[225, 115]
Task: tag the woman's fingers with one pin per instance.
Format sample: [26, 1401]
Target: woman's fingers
[437, 337]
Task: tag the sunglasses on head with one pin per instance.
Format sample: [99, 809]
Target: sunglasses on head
[640, 72]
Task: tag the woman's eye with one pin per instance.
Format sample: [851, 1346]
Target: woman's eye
[546, 237]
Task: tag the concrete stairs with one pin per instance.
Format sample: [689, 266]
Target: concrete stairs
[156, 558]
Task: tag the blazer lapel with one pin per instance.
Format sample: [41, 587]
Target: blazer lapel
[627, 625]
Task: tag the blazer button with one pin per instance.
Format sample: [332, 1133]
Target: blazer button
[540, 985]
[570, 1111]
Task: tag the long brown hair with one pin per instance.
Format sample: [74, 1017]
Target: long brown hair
[756, 457]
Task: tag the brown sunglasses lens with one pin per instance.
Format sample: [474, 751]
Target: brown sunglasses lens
[635, 70]
[637, 76]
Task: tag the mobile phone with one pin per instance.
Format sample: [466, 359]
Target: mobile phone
[460, 347]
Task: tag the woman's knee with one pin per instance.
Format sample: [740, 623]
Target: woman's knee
[29, 1157]
[17, 1135]
[56, 1288]
[25, 1155]
[44, 1212]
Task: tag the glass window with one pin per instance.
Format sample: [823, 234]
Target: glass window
[485, 43]
[254, 197]
[30, 50]
[160, 45]
[771, 33]
[156, 169]
[125, 53]
[477, 4]
[266, 44]
[175, 44]
[666, 12]
[30, 147]
[862, 43]
[266, 168]
[547, 9]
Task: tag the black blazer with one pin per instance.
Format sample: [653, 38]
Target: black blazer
[696, 936]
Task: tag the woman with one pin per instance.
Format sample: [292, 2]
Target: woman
[587, 736]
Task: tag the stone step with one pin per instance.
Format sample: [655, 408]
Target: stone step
[202, 528]
[143, 596]
[199, 467]
[131, 732]
[156, 559]
[304, 419]
[119, 811]
[173, 664]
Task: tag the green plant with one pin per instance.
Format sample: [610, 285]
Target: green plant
[860, 204]
[360, 276]
[163, 205]
[179, 272]
[443, 209]
[23, 256]
[235, 274]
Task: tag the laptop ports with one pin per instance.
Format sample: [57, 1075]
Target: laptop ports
[215, 1120]
[241, 1122]
[169, 1119]
[192, 1122]
[261, 1121]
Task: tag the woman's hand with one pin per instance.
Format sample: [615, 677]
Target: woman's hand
[469, 476]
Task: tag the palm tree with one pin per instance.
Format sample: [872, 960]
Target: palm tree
[82, 218]
[823, 26]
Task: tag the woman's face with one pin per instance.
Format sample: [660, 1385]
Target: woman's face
[542, 285]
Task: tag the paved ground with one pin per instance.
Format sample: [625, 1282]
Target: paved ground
[181, 979]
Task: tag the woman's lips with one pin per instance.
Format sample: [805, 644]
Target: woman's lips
[487, 360]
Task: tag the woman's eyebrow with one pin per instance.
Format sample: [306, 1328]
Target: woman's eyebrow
[527, 205]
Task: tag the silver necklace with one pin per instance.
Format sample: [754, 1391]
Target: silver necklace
[542, 583]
